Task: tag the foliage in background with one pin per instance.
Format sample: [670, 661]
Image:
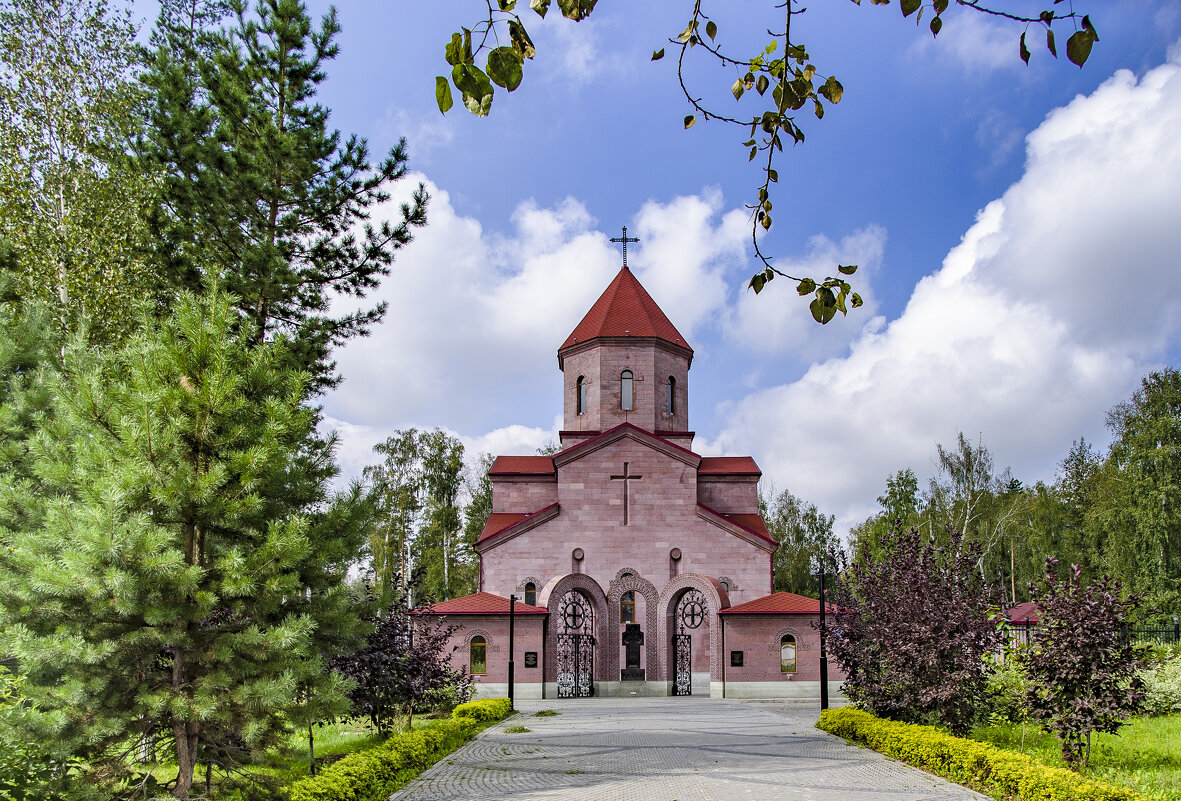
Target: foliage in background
[403, 662]
[1162, 685]
[1082, 666]
[804, 535]
[912, 630]
[71, 205]
[175, 566]
[256, 189]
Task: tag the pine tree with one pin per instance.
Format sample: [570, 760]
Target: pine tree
[257, 188]
[180, 566]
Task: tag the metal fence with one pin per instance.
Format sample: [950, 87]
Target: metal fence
[1021, 632]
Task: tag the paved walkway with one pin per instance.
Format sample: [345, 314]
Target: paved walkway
[670, 749]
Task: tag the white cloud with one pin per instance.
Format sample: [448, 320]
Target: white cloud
[1064, 292]
[975, 42]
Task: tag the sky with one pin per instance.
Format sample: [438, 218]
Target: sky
[1017, 230]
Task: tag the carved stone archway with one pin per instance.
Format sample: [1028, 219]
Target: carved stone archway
[716, 599]
[626, 580]
[548, 597]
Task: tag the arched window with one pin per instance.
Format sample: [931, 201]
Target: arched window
[531, 594]
[478, 656]
[580, 392]
[625, 391]
[672, 395]
[627, 607]
[787, 654]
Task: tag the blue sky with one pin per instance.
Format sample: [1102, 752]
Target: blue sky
[1016, 227]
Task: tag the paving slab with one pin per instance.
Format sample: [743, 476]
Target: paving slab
[670, 749]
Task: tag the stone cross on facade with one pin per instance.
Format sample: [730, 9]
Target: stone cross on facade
[626, 478]
[624, 239]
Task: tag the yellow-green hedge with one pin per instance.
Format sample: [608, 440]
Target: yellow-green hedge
[484, 710]
[978, 765]
[374, 774]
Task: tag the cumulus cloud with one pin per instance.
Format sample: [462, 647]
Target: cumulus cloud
[974, 42]
[1061, 295]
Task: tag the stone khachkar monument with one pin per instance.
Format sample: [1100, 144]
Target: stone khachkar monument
[633, 638]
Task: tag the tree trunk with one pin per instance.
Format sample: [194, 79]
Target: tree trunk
[187, 737]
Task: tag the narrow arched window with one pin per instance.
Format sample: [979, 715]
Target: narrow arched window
[478, 655]
[580, 392]
[627, 607]
[787, 654]
[625, 391]
[672, 395]
[531, 594]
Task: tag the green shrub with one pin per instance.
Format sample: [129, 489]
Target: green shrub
[485, 709]
[374, 774]
[977, 765]
[1162, 685]
[1004, 693]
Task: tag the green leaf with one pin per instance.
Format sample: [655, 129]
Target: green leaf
[940, 6]
[506, 5]
[762, 83]
[1089, 28]
[936, 25]
[443, 94]
[540, 6]
[658, 54]
[504, 67]
[910, 6]
[806, 286]
[455, 52]
[520, 39]
[1023, 51]
[1050, 43]
[773, 175]
[477, 90]
[757, 281]
[822, 312]
[753, 152]
[690, 121]
[711, 29]
[841, 303]
[1078, 47]
[766, 221]
[832, 91]
[857, 302]
[576, 10]
[737, 89]
[847, 269]
[819, 110]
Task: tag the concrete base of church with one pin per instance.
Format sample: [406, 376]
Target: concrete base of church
[778, 689]
[499, 689]
[624, 689]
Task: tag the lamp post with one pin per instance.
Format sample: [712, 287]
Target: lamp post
[1176, 627]
[823, 630]
[512, 603]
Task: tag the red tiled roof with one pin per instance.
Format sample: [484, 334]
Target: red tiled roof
[1022, 612]
[728, 466]
[753, 523]
[501, 521]
[484, 603]
[522, 465]
[625, 309]
[777, 603]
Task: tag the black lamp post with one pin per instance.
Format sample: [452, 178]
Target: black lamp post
[512, 603]
[1176, 627]
[823, 646]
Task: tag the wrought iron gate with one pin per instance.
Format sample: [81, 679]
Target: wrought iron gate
[689, 615]
[576, 646]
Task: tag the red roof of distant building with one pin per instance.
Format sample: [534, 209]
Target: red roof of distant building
[1022, 612]
[777, 603]
[522, 465]
[728, 466]
[484, 603]
[625, 309]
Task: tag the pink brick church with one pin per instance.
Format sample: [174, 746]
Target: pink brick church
[640, 567]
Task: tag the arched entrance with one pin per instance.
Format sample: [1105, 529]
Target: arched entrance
[690, 613]
[575, 645]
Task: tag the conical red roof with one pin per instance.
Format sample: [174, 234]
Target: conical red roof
[625, 309]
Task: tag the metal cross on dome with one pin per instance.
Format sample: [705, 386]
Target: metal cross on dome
[624, 239]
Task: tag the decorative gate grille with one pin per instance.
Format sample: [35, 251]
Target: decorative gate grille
[576, 646]
[690, 615]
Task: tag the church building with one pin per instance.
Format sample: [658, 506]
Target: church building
[638, 566]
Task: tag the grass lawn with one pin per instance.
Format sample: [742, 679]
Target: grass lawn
[1145, 755]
